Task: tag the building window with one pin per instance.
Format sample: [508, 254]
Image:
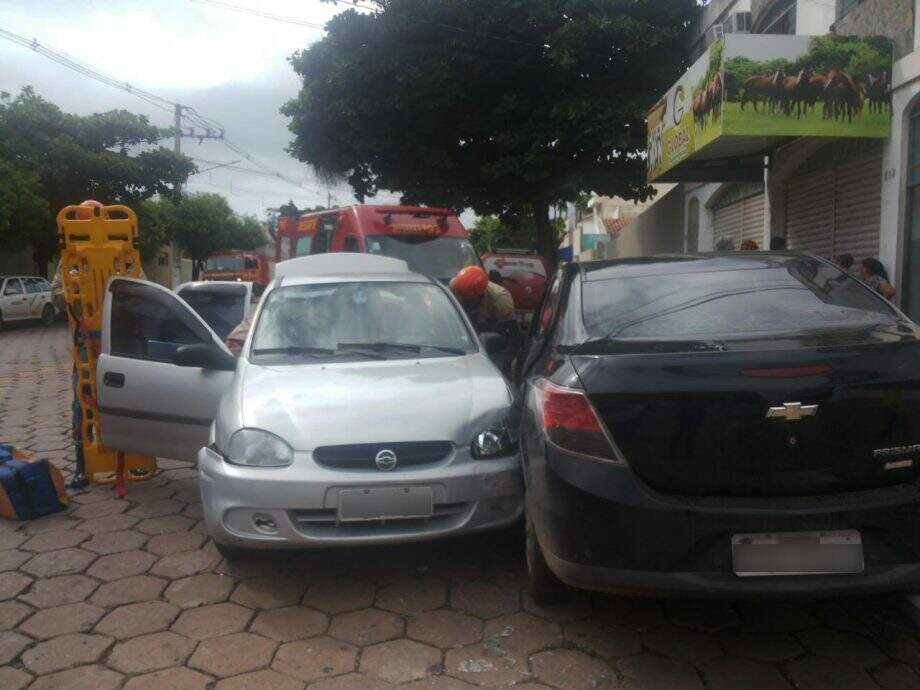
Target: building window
[779, 19]
[912, 245]
[844, 7]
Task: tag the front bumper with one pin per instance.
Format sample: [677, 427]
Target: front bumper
[296, 506]
[603, 529]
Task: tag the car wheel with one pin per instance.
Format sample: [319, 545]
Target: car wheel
[542, 585]
[233, 553]
[47, 315]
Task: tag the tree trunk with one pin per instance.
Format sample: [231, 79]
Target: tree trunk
[545, 240]
[196, 268]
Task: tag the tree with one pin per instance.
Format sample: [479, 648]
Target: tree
[155, 219]
[113, 157]
[496, 105]
[204, 223]
[513, 231]
[24, 213]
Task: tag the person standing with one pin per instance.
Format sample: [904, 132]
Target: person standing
[873, 274]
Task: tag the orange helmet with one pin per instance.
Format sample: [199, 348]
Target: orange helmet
[470, 283]
[89, 204]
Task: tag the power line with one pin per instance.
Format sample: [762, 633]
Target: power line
[263, 15]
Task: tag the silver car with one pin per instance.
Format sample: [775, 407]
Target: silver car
[363, 408]
[24, 298]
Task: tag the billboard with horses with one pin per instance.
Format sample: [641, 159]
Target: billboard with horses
[751, 89]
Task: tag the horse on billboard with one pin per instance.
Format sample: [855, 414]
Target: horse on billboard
[763, 88]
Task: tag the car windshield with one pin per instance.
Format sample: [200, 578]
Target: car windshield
[224, 263]
[222, 307]
[440, 257]
[379, 320]
[805, 294]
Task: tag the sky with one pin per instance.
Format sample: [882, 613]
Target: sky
[230, 66]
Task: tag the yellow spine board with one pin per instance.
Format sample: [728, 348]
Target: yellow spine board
[93, 250]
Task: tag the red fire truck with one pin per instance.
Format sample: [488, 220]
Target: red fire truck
[431, 240]
[233, 264]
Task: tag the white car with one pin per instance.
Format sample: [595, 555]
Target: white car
[25, 298]
[363, 408]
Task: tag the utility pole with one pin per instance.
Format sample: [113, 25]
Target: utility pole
[328, 199]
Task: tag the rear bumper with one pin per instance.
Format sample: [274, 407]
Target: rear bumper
[601, 528]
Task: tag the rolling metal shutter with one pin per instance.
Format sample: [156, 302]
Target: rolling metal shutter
[858, 207]
[726, 224]
[836, 209]
[752, 220]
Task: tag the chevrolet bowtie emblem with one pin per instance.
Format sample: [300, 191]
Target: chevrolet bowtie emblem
[792, 412]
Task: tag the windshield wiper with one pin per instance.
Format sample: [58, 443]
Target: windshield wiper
[445, 348]
[318, 351]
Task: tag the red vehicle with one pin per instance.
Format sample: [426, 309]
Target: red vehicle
[234, 264]
[524, 274]
[432, 241]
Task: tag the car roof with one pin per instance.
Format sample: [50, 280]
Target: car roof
[229, 286]
[665, 264]
[344, 266]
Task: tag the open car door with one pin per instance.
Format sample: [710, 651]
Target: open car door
[161, 373]
[223, 304]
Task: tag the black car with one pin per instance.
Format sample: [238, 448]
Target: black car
[735, 424]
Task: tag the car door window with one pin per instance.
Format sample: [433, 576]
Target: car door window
[323, 238]
[32, 285]
[351, 244]
[13, 287]
[251, 263]
[44, 285]
[148, 323]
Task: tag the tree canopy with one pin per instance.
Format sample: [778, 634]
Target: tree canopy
[489, 104]
[49, 159]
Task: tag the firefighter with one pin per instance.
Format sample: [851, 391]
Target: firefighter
[490, 308]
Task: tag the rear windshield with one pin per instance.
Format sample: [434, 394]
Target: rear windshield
[805, 294]
[224, 263]
[441, 257]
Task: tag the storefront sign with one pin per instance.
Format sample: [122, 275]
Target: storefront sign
[749, 91]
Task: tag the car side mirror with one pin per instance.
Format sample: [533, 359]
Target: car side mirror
[494, 343]
[205, 356]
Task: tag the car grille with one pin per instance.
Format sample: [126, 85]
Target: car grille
[360, 456]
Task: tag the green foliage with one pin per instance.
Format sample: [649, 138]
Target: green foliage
[454, 117]
[715, 65]
[490, 233]
[24, 213]
[202, 224]
[155, 218]
[113, 157]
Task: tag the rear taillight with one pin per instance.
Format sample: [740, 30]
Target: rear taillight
[569, 422]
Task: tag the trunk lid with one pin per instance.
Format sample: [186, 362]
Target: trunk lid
[692, 422]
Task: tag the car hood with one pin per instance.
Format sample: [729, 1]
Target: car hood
[313, 405]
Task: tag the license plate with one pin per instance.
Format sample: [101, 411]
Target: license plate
[797, 553]
[388, 503]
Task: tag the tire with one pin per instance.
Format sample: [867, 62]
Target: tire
[48, 315]
[542, 584]
[233, 553]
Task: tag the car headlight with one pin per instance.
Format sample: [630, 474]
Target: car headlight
[257, 448]
[495, 442]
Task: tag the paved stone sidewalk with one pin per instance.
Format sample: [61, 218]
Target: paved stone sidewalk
[131, 594]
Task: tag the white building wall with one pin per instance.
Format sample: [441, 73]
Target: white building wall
[814, 17]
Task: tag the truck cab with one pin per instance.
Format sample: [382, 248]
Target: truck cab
[241, 266]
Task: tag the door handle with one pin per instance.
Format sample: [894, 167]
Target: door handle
[114, 379]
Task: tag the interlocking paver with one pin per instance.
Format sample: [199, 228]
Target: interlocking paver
[212, 621]
[412, 596]
[151, 652]
[59, 562]
[233, 654]
[12, 583]
[646, 671]
[823, 673]
[11, 644]
[485, 664]
[129, 590]
[266, 679]
[187, 563]
[14, 678]
[52, 541]
[682, 644]
[449, 683]
[896, 677]
[10, 559]
[164, 525]
[121, 565]
[108, 523]
[91, 677]
[352, 681]
[339, 595]
[290, 623]
[367, 626]
[114, 542]
[484, 599]
[445, 629]
[567, 669]
[844, 646]
[132, 620]
[603, 638]
[268, 592]
[729, 673]
[198, 590]
[760, 645]
[178, 678]
[11, 613]
[112, 506]
[318, 657]
[400, 661]
[65, 651]
[54, 591]
[175, 542]
[10, 540]
[59, 620]
[522, 633]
